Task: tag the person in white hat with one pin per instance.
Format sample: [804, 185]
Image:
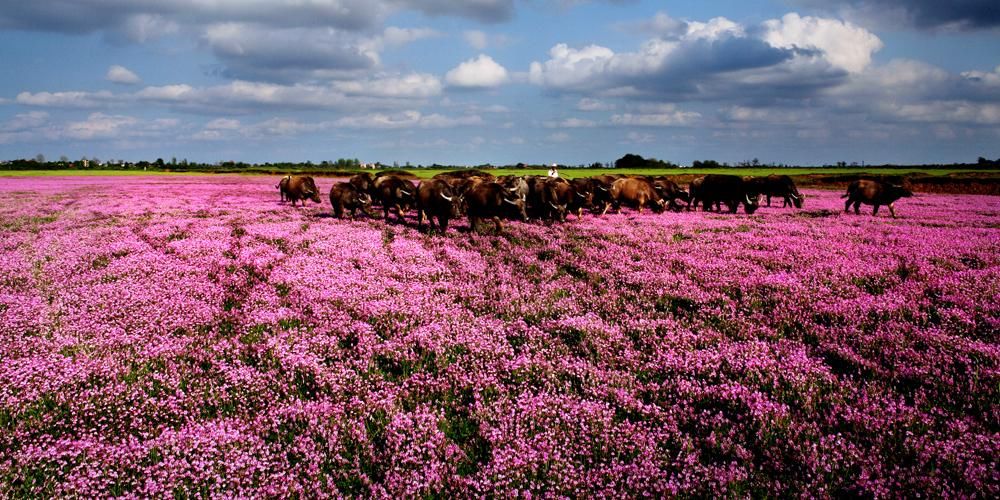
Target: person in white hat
[554, 170]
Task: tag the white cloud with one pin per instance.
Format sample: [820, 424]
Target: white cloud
[122, 75]
[25, 121]
[657, 115]
[477, 39]
[841, 43]
[570, 123]
[406, 119]
[589, 104]
[481, 72]
[559, 137]
[65, 99]
[223, 124]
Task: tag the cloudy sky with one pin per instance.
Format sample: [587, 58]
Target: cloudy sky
[501, 81]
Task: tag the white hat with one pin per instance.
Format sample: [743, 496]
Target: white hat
[554, 165]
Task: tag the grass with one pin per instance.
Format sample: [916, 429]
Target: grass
[92, 173]
[426, 173]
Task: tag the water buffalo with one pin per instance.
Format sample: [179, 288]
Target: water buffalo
[729, 189]
[301, 187]
[602, 192]
[364, 182]
[395, 192]
[283, 187]
[777, 186]
[583, 195]
[515, 184]
[347, 196]
[670, 192]
[490, 200]
[637, 192]
[435, 198]
[874, 193]
[557, 194]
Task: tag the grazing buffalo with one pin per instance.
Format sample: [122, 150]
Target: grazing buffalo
[347, 196]
[670, 192]
[364, 182]
[301, 187]
[436, 199]
[777, 186]
[874, 193]
[637, 192]
[490, 200]
[729, 189]
[515, 184]
[283, 187]
[583, 195]
[602, 192]
[395, 192]
[557, 194]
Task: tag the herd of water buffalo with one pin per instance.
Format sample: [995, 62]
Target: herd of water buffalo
[484, 197]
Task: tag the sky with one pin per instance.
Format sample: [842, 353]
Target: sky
[804, 82]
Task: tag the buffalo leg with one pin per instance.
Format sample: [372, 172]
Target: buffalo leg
[420, 219]
[857, 207]
[444, 223]
[892, 210]
[768, 200]
[875, 211]
[847, 205]
[499, 226]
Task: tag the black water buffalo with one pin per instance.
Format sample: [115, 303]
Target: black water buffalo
[602, 192]
[670, 192]
[781, 186]
[301, 187]
[874, 193]
[395, 192]
[637, 192]
[489, 200]
[436, 199]
[583, 195]
[347, 196]
[364, 182]
[515, 184]
[729, 189]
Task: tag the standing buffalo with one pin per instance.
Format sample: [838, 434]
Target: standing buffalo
[637, 192]
[670, 192]
[729, 189]
[583, 195]
[435, 198]
[283, 187]
[602, 193]
[557, 194]
[364, 182]
[874, 193]
[346, 196]
[489, 200]
[300, 187]
[395, 192]
[777, 186]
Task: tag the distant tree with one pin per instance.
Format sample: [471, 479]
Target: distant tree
[40, 158]
[755, 162]
[63, 158]
[630, 161]
[159, 162]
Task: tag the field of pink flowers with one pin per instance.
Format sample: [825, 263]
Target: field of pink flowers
[194, 336]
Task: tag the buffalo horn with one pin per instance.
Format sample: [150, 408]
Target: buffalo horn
[447, 198]
[505, 200]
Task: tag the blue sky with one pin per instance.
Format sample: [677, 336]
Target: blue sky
[501, 81]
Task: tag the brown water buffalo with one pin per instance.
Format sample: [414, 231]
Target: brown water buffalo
[557, 194]
[301, 187]
[729, 189]
[436, 199]
[638, 193]
[347, 196]
[777, 186]
[395, 192]
[874, 193]
[490, 200]
[283, 187]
